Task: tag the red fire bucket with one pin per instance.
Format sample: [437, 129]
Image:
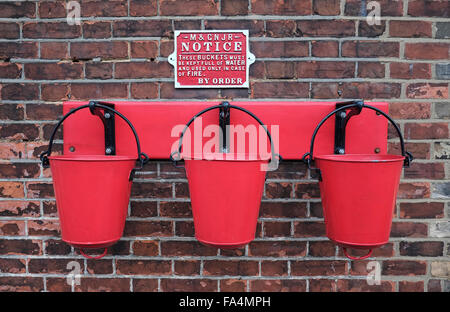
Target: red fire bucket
[226, 191]
[358, 192]
[92, 191]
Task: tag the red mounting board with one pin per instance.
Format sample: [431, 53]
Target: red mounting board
[154, 122]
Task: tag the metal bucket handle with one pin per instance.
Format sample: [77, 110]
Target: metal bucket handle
[142, 157]
[175, 160]
[308, 158]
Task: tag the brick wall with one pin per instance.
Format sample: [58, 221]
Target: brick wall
[305, 49]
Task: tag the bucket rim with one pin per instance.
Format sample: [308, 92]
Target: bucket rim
[227, 157]
[93, 158]
[361, 158]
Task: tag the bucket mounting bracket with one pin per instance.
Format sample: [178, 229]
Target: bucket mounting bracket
[342, 119]
[224, 123]
[108, 121]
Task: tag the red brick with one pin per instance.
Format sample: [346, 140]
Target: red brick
[422, 131]
[277, 248]
[274, 268]
[188, 7]
[413, 110]
[21, 284]
[322, 267]
[12, 228]
[434, 286]
[419, 150]
[87, 91]
[324, 90]
[322, 249]
[277, 229]
[307, 190]
[371, 31]
[96, 29]
[175, 209]
[99, 70]
[435, 171]
[422, 210]
[19, 170]
[370, 49]
[255, 27]
[144, 267]
[410, 70]
[427, 51]
[309, 229]
[439, 8]
[280, 89]
[143, 70]
[325, 69]
[236, 268]
[9, 30]
[407, 286]
[143, 7]
[148, 228]
[52, 9]
[56, 247]
[388, 7]
[146, 248]
[326, 28]
[326, 7]
[278, 286]
[143, 209]
[294, 7]
[144, 90]
[416, 190]
[105, 50]
[410, 29]
[56, 284]
[100, 8]
[187, 24]
[12, 112]
[18, 50]
[427, 91]
[142, 28]
[40, 190]
[13, 265]
[144, 49]
[54, 50]
[55, 30]
[51, 266]
[425, 249]
[12, 190]
[187, 268]
[193, 285]
[186, 248]
[92, 284]
[168, 91]
[233, 285]
[279, 70]
[234, 7]
[409, 229]
[371, 90]
[43, 228]
[55, 92]
[10, 71]
[278, 190]
[145, 285]
[53, 71]
[282, 28]
[363, 286]
[284, 49]
[322, 285]
[17, 9]
[371, 70]
[325, 48]
[404, 267]
[282, 209]
[20, 247]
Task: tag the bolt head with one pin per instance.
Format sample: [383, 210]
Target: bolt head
[107, 115]
[108, 151]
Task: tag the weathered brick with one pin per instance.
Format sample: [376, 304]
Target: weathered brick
[237, 268]
[19, 91]
[55, 92]
[144, 267]
[422, 210]
[278, 285]
[318, 267]
[20, 247]
[279, 49]
[148, 228]
[54, 30]
[99, 70]
[92, 284]
[281, 89]
[21, 284]
[255, 27]
[143, 70]
[234, 7]
[322, 249]
[309, 229]
[442, 110]
[105, 50]
[443, 30]
[144, 49]
[100, 8]
[410, 29]
[145, 285]
[409, 229]
[12, 266]
[326, 28]
[188, 7]
[10, 71]
[325, 69]
[278, 190]
[142, 28]
[52, 9]
[143, 7]
[367, 30]
[92, 29]
[415, 190]
[439, 8]
[427, 51]
[294, 7]
[18, 50]
[193, 285]
[87, 91]
[371, 70]
[44, 228]
[326, 7]
[144, 90]
[282, 209]
[440, 269]
[372, 90]
[443, 71]
[404, 267]
[53, 71]
[370, 49]
[233, 285]
[307, 190]
[410, 70]
[187, 268]
[16, 9]
[426, 249]
[282, 29]
[441, 150]
[435, 171]
[325, 48]
[362, 286]
[407, 286]
[436, 130]
[9, 30]
[388, 8]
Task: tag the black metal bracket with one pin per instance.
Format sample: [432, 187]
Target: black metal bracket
[342, 119]
[108, 120]
[224, 123]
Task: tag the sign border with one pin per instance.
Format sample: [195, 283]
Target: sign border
[250, 60]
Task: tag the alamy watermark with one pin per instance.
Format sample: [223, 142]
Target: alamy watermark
[374, 16]
[73, 9]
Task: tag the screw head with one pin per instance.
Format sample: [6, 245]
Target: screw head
[342, 114]
[108, 151]
[107, 115]
[377, 150]
[341, 151]
[72, 149]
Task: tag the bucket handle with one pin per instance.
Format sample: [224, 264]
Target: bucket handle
[177, 158]
[93, 257]
[308, 158]
[369, 253]
[142, 157]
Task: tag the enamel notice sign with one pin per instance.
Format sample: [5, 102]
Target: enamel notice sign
[211, 59]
